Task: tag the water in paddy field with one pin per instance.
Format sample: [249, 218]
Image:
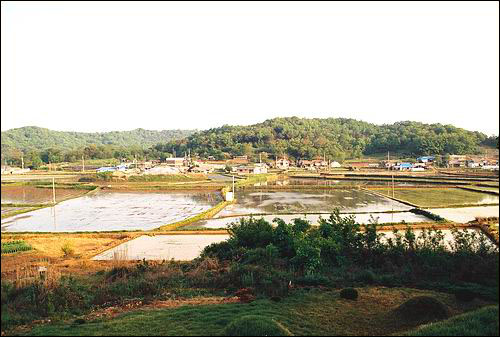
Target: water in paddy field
[108, 211]
[161, 247]
[35, 195]
[310, 201]
[381, 218]
[466, 214]
[332, 182]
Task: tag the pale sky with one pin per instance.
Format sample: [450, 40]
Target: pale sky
[102, 66]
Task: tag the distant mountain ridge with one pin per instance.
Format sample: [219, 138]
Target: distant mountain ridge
[37, 138]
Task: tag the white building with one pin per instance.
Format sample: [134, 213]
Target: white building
[282, 164]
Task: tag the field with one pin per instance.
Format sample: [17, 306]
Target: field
[436, 197]
[191, 298]
[306, 312]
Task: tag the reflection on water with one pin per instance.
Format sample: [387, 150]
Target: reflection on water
[109, 211]
[314, 219]
[309, 201]
[161, 247]
[466, 214]
[35, 195]
[331, 182]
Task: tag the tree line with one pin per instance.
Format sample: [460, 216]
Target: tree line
[296, 138]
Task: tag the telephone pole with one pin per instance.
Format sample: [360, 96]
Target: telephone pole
[54, 190]
[83, 163]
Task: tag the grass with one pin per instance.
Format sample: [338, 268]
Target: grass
[15, 246]
[201, 216]
[435, 197]
[20, 211]
[481, 322]
[313, 312]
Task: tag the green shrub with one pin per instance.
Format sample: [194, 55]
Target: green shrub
[104, 176]
[313, 280]
[366, 277]
[87, 179]
[428, 214]
[15, 246]
[464, 295]
[422, 308]
[253, 325]
[349, 294]
[389, 280]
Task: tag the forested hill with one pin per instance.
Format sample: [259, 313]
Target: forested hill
[35, 138]
[337, 138]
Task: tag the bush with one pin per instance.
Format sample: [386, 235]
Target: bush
[366, 277]
[15, 246]
[253, 325]
[87, 179]
[67, 250]
[349, 294]
[313, 280]
[422, 308]
[464, 295]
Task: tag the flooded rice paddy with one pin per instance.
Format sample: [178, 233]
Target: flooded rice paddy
[109, 211]
[341, 182]
[114, 211]
[466, 214]
[161, 247]
[309, 201]
[36, 195]
[380, 218]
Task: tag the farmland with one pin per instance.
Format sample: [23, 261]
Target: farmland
[168, 291]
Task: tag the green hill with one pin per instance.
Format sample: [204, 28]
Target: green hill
[35, 138]
[336, 138]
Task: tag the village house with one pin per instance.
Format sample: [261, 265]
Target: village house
[176, 162]
[402, 167]
[251, 169]
[457, 161]
[282, 164]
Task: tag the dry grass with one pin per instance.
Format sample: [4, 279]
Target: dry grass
[49, 247]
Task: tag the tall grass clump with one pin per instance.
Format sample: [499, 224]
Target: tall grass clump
[15, 246]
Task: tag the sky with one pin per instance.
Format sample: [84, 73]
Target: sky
[105, 66]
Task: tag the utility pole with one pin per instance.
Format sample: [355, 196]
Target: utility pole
[22, 162]
[83, 163]
[54, 190]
